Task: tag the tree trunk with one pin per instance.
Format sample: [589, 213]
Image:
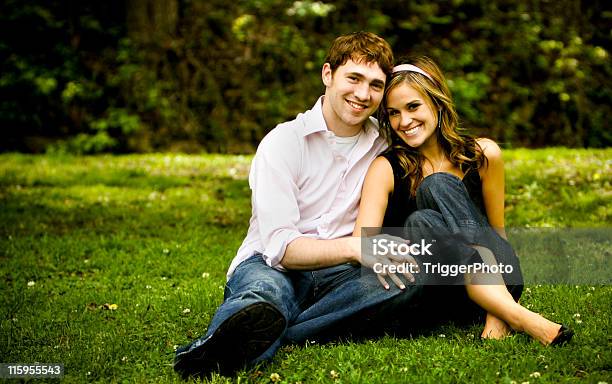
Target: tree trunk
[151, 20]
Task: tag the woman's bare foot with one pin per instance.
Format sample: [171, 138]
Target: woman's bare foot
[495, 328]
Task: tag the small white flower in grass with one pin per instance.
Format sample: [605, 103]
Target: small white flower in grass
[528, 290]
[186, 311]
[166, 251]
[148, 286]
[535, 374]
[525, 382]
[333, 374]
[205, 275]
[592, 288]
[404, 369]
[174, 347]
[602, 382]
[442, 335]
[124, 359]
[576, 315]
[31, 283]
[275, 377]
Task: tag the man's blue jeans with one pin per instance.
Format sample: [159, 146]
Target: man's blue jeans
[315, 302]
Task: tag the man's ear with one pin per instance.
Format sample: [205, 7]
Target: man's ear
[326, 74]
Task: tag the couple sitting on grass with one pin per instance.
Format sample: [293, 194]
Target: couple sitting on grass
[331, 187]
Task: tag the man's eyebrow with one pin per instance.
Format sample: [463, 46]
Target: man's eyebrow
[361, 76]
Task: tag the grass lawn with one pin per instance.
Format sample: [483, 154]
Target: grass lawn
[107, 263]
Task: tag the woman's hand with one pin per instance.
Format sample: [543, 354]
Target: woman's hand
[381, 254]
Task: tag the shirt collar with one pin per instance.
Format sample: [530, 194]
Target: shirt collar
[314, 122]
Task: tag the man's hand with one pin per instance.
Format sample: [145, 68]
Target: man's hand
[380, 253]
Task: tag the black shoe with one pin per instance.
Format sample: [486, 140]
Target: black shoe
[563, 336]
[240, 339]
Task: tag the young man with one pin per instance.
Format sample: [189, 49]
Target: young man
[297, 272]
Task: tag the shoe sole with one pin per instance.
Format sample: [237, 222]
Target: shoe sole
[240, 339]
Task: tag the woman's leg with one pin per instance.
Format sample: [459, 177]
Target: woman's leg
[446, 194]
[427, 223]
[494, 328]
[497, 301]
[487, 290]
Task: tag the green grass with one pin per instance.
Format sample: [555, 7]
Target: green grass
[154, 235]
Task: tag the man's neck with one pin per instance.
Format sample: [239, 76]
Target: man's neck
[346, 131]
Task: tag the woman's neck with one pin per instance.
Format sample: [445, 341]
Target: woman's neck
[432, 151]
[435, 158]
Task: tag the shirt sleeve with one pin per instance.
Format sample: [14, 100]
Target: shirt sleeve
[273, 181]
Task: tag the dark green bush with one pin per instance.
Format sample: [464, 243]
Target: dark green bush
[188, 75]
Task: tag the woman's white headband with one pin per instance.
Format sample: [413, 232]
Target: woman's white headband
[411, 68]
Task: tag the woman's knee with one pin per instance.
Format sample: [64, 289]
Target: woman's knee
[424, 218]
[439, 180]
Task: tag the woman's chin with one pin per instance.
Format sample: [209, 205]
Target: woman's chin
[415, 143]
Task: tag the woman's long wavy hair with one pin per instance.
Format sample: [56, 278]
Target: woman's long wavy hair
[459, 147]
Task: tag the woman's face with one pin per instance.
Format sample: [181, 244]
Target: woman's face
[411, 116]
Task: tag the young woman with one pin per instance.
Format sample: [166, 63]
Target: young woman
[435, 176]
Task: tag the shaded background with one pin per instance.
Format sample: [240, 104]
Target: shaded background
[216, 75]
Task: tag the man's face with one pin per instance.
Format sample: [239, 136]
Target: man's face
[352, 94]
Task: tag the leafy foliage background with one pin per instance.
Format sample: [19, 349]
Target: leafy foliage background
[185, 75]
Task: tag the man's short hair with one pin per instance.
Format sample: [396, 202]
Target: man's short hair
[360, 47]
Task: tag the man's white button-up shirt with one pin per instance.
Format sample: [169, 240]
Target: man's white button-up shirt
[302, 186]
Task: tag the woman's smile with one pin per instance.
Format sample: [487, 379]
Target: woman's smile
[411, 131]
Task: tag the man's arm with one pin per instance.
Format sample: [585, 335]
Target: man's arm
[305, 253]
[275, 196]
